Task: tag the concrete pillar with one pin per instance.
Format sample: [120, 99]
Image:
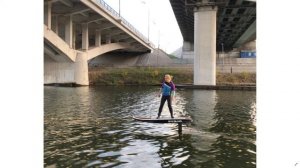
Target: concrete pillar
[108, 39]
[205, 45]
[81, 69]
[49, 6]
[55, 29]
[187, 46]
[69, 30]
[85, 36]
[98, 38]
[74, 37]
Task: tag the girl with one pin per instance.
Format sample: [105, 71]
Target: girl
[168, 93]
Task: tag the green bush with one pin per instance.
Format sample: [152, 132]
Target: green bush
[153, 75]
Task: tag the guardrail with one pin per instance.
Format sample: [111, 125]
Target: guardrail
[114, 13]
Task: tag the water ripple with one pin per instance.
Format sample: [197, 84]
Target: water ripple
[92, 127]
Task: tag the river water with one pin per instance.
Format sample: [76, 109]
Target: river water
[93, 127]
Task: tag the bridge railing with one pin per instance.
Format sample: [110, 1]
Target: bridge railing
[110, 10]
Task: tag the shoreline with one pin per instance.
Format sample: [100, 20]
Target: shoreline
[153, 76]
[178, 86]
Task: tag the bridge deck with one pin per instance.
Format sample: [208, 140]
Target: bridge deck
[236, 21]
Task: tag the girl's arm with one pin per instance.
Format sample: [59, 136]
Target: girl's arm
[173, 92]
[173, 95]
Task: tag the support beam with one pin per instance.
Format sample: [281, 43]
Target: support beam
[116, 33]
[188, 51]
[85, 36]
[107, 27]
[98, 38]
[67, 3]
[248, 35]
[131, 40]
[78, 12]
[69, 31]
[108, 39]
[133, 44]
[49, 14]
[97, 21]
[84, 14]
[205, 45]
[59, 44]
[113, 32]
[74, 37]
[56, 28]
[187, 46]
[122, 37]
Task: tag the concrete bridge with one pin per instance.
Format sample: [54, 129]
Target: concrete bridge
[76, 31]
[208, 26]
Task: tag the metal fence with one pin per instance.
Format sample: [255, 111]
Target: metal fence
[111, 11]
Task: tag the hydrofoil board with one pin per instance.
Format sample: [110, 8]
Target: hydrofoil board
[163, 120]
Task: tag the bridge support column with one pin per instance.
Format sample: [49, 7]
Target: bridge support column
[48, 22]
[74, 37]
[81, 69]
[55, 28]
[188, 52]
[205, 45]
[108, 39]
[98, 38]
[69, 31]
[188, 46]
[85, 36]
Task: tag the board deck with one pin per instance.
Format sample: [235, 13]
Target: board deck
[163, 120]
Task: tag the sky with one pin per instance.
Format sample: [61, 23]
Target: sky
[163, 27]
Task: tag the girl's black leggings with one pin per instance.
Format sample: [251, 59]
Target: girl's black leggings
[162, 102]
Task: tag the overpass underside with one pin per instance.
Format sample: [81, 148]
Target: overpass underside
[208, 26]
[76, 31]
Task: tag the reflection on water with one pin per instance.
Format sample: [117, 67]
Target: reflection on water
[92, 127]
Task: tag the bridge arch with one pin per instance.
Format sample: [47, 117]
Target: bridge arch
[97, 51]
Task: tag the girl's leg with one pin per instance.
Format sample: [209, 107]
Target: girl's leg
[162, 102]
[170, 106]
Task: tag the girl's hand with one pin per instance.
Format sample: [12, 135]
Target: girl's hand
[173, 99]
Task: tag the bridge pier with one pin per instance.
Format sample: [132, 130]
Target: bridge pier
[205, 45]
[81, 69]
[66, 72]
[69, 31]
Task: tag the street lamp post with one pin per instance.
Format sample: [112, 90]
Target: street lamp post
[158, 46]
[144, 2]
[148, 22]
